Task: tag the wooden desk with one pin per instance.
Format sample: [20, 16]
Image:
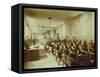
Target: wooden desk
[31, 54]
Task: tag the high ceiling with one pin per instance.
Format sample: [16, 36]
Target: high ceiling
[55, 14]
[48, 19]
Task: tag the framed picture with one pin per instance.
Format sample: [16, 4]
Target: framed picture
[53, 38]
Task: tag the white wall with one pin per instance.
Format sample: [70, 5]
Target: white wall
[5, 39]
[82, 26]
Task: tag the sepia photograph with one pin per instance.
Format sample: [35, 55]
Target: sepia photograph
[56, 38]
